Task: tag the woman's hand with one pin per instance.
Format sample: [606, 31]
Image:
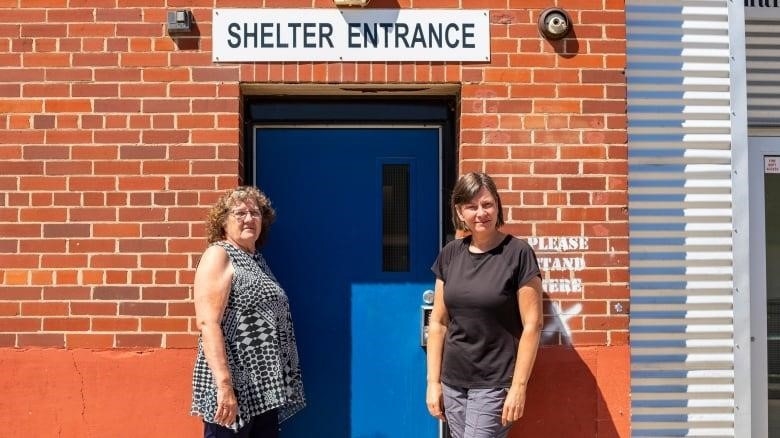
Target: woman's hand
[434, 400]
[514, 405]
[227, 406]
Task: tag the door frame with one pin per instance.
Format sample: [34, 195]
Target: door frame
[286, 106]
[438, 110]
[759, 388]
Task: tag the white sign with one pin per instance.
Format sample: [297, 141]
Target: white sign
[351, 35]
[762, 9]
[771, 165]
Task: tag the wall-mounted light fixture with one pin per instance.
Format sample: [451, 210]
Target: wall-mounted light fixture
[351, 2]
[554, 23]
[179, 21]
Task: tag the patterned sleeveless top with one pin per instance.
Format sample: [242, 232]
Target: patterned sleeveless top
[260, 346]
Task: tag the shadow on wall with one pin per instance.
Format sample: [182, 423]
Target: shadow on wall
[383, 4]
[580, 392]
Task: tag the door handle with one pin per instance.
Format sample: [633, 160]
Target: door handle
[425, 316]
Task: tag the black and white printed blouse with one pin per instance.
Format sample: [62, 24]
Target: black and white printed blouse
[260, 344]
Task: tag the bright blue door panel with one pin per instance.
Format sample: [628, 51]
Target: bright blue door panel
[357, 326]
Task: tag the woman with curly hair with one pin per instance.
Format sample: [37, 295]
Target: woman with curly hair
[247, 377]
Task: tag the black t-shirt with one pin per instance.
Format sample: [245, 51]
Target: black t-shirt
[480, 291]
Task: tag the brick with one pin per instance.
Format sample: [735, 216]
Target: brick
[142, 309]
[175, 340]
[556, 137]
[532, 214]
[558, 229]
[165, 325]
[159, 293]
[609, 292]
[116, 276]
[142, 245]
[89, 340]
[9, 309]
[582, 214]
[589, 338]
[594, 277]
[19, 261]
[556, 167]
[138, 340]
[181, 309]
[14, 325]
[7, 340]
[117, 137]
[22, 168]
[113, 261]
[10, 245]
[583, 152]
[69, 324]
[583, 183]
[44, 308]
[40, 340]
[91, 245]
[100, 324]
[63, 261]
[17, 277]
[116, 293]
[93, 308]
[606, 322]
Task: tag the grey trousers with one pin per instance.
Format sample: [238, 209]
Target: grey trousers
[475, 413]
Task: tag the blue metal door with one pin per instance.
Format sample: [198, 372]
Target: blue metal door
[356, 232]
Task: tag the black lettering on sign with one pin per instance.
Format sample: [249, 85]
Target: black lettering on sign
[761, 3]
[400, 35]
[326, 31]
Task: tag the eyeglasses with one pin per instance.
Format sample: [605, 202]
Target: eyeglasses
[241, 215]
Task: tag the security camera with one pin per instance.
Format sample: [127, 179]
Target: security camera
[554, 23]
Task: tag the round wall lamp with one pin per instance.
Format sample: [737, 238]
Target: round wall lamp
[554, 23]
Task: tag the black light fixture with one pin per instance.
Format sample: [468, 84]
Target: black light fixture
[179, 21]
[554, 23]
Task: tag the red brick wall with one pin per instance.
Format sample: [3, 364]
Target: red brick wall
[116, 138]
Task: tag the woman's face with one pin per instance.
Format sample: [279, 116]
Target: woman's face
[480, 213]
[243, 224]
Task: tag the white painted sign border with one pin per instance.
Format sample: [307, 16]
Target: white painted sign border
[250, 35]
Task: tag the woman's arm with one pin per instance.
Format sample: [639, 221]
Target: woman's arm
[529, 298]
[212, 288]
[437, 327]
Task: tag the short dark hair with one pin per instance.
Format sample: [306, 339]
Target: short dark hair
[467, 186]
[217, 215]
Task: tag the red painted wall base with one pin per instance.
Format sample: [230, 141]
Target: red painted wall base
[580, 393]
[85, 394]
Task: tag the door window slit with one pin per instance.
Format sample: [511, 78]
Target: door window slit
[395, 218]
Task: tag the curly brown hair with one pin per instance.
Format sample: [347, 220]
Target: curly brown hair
[217, 215]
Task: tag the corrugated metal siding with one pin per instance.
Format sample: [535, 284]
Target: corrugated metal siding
[680, 218]
[763, 65]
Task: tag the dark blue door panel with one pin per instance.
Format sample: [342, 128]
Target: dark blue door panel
[357, 325]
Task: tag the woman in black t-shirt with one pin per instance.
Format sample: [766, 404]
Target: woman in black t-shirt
[486, 320]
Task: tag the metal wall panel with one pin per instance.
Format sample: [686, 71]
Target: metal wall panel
[763, 65]
[680, 218]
